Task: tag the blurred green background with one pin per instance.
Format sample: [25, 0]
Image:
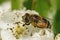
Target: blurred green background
[1, 1]
[46, 8]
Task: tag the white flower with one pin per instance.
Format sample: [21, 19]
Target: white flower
[57, 37]
[8, 17]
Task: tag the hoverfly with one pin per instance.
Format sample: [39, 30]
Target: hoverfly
[35, 20]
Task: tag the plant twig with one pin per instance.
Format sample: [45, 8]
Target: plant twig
[33, 4]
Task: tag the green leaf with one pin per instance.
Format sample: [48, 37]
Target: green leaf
[56, 27]
[56, 23]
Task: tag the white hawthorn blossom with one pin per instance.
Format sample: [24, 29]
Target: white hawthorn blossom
[8, 17]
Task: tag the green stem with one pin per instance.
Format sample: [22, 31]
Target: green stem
[16, 4]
